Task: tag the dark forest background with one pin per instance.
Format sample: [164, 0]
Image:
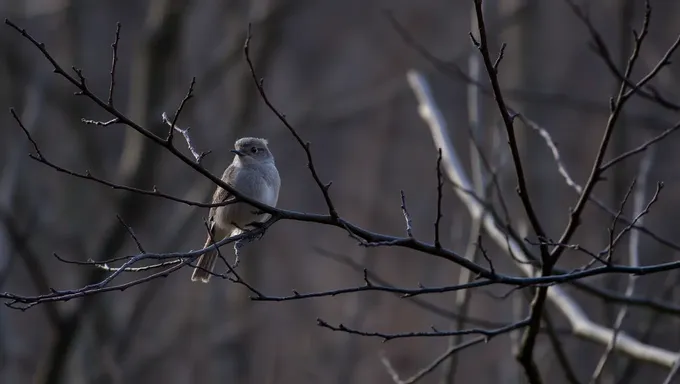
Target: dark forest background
[337, 69]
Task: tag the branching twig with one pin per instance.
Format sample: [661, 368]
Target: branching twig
[634, 260]
[39, 157]
[579, 189]
[611, 230]
[145, 268]
[173, 125]
[624, 94]
[25, 302]
[577, 318]
[600, 47]
[122, 119]
[484, 254]
[425, 371]
[641, 148]
[185, 132]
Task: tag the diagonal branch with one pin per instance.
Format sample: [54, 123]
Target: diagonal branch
[330, 219]
[259, 83]
[634, 260]
[432, 366]
[582, 326]
[508, 121]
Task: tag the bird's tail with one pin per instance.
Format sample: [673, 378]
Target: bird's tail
[205, 265]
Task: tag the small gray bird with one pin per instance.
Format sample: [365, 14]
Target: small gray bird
[252, 173]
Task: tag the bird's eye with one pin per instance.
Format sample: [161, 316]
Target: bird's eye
[253, 149]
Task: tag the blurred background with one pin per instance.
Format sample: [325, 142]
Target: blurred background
[337, 70]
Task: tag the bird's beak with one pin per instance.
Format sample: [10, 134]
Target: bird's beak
[237, 152]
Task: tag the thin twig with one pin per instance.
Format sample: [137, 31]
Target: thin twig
[259, 83]
[434, 333]
[173, 125]
[634, 260]
[440, 183]
[579, 189]
[508, 121]
[600, 47]
[499, 58]
[673, 373]
[617, 105]
[145, 268]
[115, 120]
[612, 243]
[114, 61]
[185, 132]
[407, 216]
[39, 157]
[425, 371]
[129, 230]
[481, 248]
[641, 148]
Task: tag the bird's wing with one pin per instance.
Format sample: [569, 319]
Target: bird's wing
[221, 195]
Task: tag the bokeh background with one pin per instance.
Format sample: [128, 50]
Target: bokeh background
[337, 70]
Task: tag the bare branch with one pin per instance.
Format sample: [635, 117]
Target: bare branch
[16, 117]
[488, 333]
[623, 95]
[114, 61]
[259, 83]
[600, 47]
[440, 183]
[522, 189]
[173, 125]
[633, 261]
[25, 302]
[579, 189]
[577, 318]
[612, 242]
[499, 58]
[407, 217]
[641, 148]
[132, 234]
[38, 156]
[425, 371]
[185, 132]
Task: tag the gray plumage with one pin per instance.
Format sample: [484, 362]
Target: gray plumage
[254, 174]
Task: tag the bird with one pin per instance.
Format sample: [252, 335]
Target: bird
[253, 173]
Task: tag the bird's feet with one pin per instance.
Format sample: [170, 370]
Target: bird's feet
[240, 243]
[259, 228]
[237, 245]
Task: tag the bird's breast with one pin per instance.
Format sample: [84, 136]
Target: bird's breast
[269, 194]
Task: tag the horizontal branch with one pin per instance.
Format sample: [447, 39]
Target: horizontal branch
[488, 333]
